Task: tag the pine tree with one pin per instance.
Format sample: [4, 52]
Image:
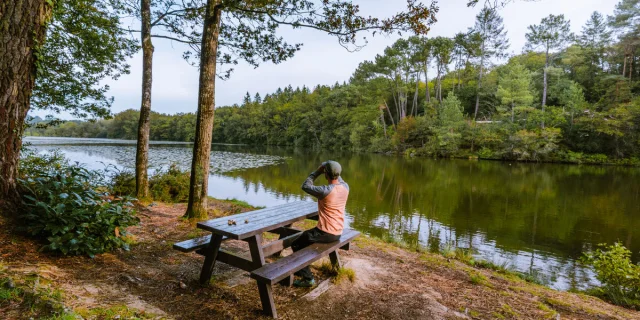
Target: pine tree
[552, 34]
[514, 89]
[247, 30]
[492, 43]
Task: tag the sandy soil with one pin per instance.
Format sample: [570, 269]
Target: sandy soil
[391, 283]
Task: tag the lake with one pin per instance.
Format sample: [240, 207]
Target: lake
[537, 218]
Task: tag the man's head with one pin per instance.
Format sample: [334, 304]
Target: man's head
[332, 170]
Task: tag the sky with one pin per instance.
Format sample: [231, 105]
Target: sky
[322, 61]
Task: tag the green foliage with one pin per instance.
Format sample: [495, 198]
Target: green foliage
[592, 112]
[170, 185]
[84, 46]
[64, 208]
[620, 278]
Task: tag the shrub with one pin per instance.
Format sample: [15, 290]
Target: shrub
[171, 185]
[620, 278]
[123, 183]
[66, 210]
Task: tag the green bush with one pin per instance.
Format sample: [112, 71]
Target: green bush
[123, 183]
[171, 185]
[620, 278]
[65, 208]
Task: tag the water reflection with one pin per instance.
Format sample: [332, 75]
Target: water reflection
[537, 217]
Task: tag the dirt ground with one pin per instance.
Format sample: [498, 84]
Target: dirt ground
[156, 281]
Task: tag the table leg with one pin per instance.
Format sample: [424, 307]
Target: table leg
[277, 254]
[266, 292]
[211, 253]
[335, 260]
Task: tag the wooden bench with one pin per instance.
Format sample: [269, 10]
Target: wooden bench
[194, 244]
[283, 269]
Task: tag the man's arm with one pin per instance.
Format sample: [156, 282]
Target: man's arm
[317, 191]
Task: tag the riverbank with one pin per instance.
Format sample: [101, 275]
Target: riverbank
[154, 281]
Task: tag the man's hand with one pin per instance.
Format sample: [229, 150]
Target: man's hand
[321, 168]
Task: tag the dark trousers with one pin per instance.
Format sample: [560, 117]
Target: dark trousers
[307, 238]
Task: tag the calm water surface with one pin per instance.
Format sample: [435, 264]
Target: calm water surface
[538, 218]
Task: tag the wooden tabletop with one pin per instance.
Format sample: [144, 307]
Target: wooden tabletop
[251, 223]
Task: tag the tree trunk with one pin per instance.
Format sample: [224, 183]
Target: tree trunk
[384, 124]
[197, 206]
[475, 114]
[426, 80]
[545, 86]
[415, 96]
[22, 31]
[142, 150]
[389, 111]
[624, 66]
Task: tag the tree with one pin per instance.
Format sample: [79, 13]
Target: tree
[247, 23]
[514, 89]
[553, 33]
[596, 37]
[626, 21]
[492, 43]
[442, 49]
[61, 71]
[573, 99]
[152, 14]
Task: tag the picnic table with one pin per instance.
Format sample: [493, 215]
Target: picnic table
[249, 227]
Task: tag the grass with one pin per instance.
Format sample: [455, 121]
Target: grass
[479, 279]
[242, 204]
[339, 274]
[115, 312]
[549, 313]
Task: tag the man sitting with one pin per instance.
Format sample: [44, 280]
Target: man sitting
[332, 199]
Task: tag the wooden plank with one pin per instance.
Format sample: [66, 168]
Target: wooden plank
[287, 281]
[335, 260]
[285, 231]
[233, 259]
[257, 215]
[276, 246]
[275, 272]
[255, 247]
[211, 252]
[194, 244]
[242, 232]
[258, 223]
[218, 222]
[266, 297]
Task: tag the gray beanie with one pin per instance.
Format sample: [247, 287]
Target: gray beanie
[333, 169]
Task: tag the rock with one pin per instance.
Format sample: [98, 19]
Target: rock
[182, 285]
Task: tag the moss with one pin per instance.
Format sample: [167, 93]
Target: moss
[115, 312]
[477, 278]
[339, 274]
[549, 313]
[508, 311]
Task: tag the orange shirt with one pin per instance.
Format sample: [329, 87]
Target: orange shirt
[332, 201]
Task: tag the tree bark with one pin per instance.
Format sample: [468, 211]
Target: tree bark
[389, 111]
[426, 80]
[22, 30]
[415, 96]
[475, 114]
[142, 150]
[197, 206]
[545, 85]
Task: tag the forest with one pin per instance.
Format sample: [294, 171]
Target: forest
[567, 98]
